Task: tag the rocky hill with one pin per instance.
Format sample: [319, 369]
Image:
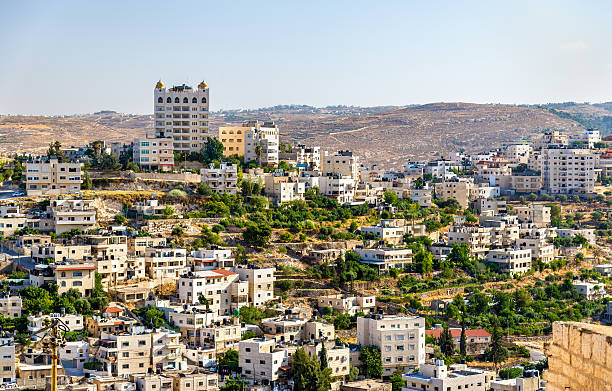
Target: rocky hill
[385, 135]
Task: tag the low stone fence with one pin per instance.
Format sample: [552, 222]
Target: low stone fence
[167, 177]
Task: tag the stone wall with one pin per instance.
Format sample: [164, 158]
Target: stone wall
[579, 358]
[167, 177]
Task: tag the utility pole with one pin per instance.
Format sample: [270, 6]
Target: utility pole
[52, 343]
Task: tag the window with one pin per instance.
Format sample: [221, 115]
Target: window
[194, 100]
[160, 100]
[177, 100]
[185, 100]
[77, 274]
[203, 100]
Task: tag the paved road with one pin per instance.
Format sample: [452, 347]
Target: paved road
[25, 262]
[7, 193]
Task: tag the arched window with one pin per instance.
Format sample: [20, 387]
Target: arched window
[177, 100]
[185, 100]
[160, 100]
[203, 100]
[169, 100]
[194, 100]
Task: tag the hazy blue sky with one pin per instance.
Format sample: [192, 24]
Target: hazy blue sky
[61, 57]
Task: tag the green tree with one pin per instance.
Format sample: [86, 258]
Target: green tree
[371, 364]
[463, 340]
[424, 262]
[120, 219]
[248, 335]
[87, 185]
[233, 384]
[229, 362]
[446, 342]
[308, 374]
[323, 356]
[496, 353]
[212, 151]
[390, 197]
[397, 382]
[257, 235]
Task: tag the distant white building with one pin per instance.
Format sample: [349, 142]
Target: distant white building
[590, 290]
[510, 260]
[50, 177]
[154, 153]
[74, 354]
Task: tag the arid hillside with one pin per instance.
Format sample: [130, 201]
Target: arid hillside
[385, 135]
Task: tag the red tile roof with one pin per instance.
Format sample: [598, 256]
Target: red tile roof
[111, 310]
[456, 333]
[75, 267]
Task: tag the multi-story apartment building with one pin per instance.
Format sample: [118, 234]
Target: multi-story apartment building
[262, 142]
[477, 238]
[210, 259]
[73, 321]
[540, 247]
[222, 335]
[181, 113]
[154, 153]
[56, 252]
[343, 164]
[137, 246]
[139, 350]
[10, 306]
[111, 323]
[518, 153]
[526, 182]
[307, 158]
[437, 376]
[49, 176]
[385, 258]
[74, 354]
[222, 289]
[199, 380]
[536, 214]
[260, 283]
[260, 360]
[338, 356]
[7, 360]
[348, 304]
[568, 171]
[459, 188]
[164, 262]
[511, 260]
[11, 219]
[67, 275]
[283, 188]
[110, 255]
[254, 140]
[67, 215]
[340, 188]
[401, 340]
[221, 180]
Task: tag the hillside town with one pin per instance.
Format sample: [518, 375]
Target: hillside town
[229, 259]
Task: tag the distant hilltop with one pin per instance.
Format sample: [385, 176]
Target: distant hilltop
[386, 135]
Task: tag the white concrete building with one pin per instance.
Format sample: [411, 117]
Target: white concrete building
[181, 113]
[165, 262]
[401, 340]
[72, 214]
[50, 177]
[568, 171]
[340, 188]
[510, 260]
[518, 153]
[348, 304]
[344, 164]
[7, 361]
[73, 321]
[223, 290]
[260, 283]
[260, 360]
[10, 306]
[154, 153]
[74, 354]
[221, 180]
[210, 258]
[283, 188]
[590, 289]
[385, 258]
[437, 376]
[261, 142]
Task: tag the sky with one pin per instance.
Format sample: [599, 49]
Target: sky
[67, 57]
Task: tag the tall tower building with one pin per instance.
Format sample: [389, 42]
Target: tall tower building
[181, 113]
